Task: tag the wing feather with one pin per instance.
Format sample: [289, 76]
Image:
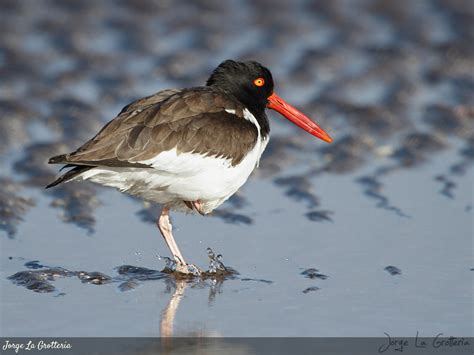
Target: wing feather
[193, 120]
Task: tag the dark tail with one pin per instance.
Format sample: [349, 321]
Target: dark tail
[78, 169]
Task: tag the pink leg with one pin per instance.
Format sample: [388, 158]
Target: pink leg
[165, 227]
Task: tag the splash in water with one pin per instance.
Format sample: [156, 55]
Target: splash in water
[40, 278]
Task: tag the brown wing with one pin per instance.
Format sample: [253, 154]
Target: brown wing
[148, 100]
[192, 120]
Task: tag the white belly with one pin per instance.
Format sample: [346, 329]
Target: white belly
[175, 178]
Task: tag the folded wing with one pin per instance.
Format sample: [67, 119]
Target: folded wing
[198, 120]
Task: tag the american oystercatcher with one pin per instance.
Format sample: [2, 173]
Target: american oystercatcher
[186, 149]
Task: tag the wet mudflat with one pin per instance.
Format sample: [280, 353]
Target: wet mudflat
[370, 234]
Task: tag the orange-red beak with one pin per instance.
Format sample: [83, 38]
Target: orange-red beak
[298, 118]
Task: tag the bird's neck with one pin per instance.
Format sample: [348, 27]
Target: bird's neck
[263, 123]
[261, 118]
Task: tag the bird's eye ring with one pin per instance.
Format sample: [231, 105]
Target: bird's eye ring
[259, 82]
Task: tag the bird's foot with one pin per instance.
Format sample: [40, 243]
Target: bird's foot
[187, 269]
[175, 265]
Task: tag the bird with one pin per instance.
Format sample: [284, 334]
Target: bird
[186, 149]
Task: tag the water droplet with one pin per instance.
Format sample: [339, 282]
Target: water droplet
[215, 263]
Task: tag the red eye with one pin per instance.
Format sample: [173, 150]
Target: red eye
[259, 82]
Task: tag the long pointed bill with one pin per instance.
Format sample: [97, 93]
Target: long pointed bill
[298, 118]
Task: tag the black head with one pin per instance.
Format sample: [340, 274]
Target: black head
[250, 82]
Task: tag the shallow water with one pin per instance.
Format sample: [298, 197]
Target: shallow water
[368, 235]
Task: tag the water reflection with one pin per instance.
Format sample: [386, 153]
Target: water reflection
[169, 313]
[41, 278]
